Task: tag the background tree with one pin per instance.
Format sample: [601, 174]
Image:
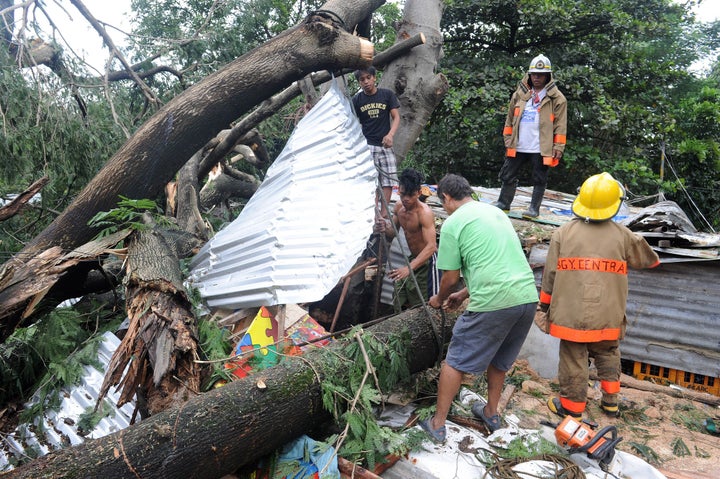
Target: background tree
[623, 66]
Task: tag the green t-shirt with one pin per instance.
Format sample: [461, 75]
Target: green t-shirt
[480, 241]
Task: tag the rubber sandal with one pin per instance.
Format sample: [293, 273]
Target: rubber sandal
[611, 410]
[492, 422]
[438, 435]
[554, 405]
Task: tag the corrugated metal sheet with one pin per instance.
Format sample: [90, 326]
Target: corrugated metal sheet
[59, 428]
[673, 317]
[305, 226]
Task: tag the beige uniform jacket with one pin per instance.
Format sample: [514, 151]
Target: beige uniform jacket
[585, 279]
[553, 120]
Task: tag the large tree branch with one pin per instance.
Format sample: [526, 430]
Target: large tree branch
[151, 157]
[219, 431]
[125, 75]
[273, 105]
[19, 202]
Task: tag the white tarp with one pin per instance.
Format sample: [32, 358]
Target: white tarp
[466, 451]
[307, 223]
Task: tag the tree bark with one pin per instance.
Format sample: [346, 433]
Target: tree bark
[413, 79]
[220, 431]
[152, 156]
[229, 183]
[183, 202]
[16, 205]
[25, 290]
[160, 345]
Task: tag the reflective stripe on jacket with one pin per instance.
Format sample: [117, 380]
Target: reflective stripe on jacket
[585, 279]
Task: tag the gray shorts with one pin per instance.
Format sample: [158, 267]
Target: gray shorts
[386, 165]
[493, 337]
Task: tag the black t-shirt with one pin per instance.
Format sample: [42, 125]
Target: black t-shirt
[374, 113]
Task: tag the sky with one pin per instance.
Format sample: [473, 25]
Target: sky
[81, 36]
[708, 10]
[86, 42]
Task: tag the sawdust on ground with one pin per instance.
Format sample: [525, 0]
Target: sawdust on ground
[666, 431]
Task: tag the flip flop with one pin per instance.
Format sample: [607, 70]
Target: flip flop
[437, 435]
[492, 422]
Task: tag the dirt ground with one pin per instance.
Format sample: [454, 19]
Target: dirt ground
[666, 431]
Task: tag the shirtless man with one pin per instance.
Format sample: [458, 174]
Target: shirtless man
[418, 223]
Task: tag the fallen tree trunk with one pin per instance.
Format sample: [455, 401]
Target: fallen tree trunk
[150, 158]
[220, 431]
[157, 353]
[678, 392]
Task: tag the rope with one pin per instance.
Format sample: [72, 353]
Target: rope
[431, 317]
[329, 15]
[564, 467]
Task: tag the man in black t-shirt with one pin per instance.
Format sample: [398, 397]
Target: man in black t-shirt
[378, 110]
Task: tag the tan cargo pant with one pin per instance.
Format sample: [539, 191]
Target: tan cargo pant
[573, 373]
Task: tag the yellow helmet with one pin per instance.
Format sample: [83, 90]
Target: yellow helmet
[599, 198]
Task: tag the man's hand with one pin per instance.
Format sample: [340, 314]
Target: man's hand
[455, 300]
[380, 225]
[400, 273]
[387, 141]
[434, 302]
[542, 321]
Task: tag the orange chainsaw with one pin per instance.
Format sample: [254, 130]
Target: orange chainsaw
[581, 436]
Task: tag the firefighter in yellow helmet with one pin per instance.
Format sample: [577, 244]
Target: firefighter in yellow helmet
[584, 293]
[534, 132]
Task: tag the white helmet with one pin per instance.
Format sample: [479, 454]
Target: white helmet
[540, 64]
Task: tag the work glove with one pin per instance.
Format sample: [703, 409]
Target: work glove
[551, 161]
[542, 320]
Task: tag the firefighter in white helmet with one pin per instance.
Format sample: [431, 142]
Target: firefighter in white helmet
[535, 129]
[584, 292]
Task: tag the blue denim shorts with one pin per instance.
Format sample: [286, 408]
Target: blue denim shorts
[491, 337]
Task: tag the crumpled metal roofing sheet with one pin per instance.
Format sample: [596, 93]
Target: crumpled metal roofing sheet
[59, 428]
[307, 223]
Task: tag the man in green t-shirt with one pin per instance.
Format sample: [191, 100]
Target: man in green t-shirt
[478, 241]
